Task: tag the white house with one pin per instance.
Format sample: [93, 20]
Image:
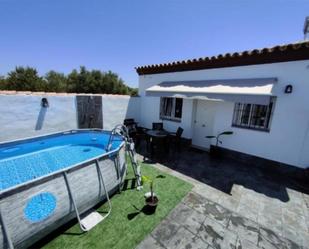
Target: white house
[261, 95]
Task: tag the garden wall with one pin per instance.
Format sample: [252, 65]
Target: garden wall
[22, 115]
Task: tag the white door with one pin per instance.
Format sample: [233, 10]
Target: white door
[203, 118]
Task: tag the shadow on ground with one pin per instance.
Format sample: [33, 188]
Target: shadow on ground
[147, 210]
[223, 173]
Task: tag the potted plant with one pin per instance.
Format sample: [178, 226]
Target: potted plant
[214, 150]
[151, 198]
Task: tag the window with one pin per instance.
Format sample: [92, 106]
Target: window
[171, 108]
[253, 116]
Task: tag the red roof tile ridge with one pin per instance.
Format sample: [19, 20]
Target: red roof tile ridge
[190, 64]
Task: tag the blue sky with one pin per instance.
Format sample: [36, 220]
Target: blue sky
[119, 35]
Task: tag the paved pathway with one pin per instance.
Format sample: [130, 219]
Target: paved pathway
[243, 218]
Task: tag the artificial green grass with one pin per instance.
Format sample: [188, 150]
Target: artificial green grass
[126, 227]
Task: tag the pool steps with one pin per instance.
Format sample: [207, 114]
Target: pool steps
[91, 219]
[130, 150]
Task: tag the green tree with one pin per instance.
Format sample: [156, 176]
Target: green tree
[2, 83]
[95, 81]
[24, 79]
[71, 81]
[133, 91]
[55, 82]
[78, 81]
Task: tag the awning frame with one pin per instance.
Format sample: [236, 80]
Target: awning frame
[255, 91]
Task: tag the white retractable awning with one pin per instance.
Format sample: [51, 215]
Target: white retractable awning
[255, 91]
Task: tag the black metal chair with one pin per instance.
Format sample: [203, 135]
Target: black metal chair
[140, 136]
[157, 126]
[175, 138]
[131, 125]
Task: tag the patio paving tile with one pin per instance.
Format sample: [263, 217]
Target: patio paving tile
[275, 224]
[180, 214]
[212, 233]
[165, 231]
[233, 206]
[150, 243]
[242, 243]
[194, 222]
[193, 200]
[296, 236]
[248, 212]
[229, 240]
[244, 228]
[208, 192]
[218, 213]
[179, 239]
[186, 227]
[197, 202]
[193, 243]
[294, 220]
[229, 202]
[269, 239]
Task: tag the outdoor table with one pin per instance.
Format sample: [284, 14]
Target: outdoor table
[157, 138]
[157, 133]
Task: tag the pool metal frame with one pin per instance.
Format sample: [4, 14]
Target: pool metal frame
[43, 179]
[5, 192]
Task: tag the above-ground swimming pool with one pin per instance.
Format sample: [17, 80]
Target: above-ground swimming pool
[40, 176]
[23, 162]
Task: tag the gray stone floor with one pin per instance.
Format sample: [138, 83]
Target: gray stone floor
[231, 206]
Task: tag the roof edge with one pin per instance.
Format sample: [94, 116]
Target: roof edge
[281, 53]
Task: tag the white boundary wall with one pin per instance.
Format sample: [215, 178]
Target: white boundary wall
[288, 139]
[117, 108]
[21, 115]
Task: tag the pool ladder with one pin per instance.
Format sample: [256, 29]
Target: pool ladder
[92, 218]
[130, 150]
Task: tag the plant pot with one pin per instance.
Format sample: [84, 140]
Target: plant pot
[214, 151]
[151, 202]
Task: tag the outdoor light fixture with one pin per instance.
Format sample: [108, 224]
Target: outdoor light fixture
[288, 89]
[44, 103]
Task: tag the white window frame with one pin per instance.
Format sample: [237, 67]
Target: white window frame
[173, 110]
[241, 119]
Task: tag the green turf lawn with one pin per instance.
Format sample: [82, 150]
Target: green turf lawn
[126, 227]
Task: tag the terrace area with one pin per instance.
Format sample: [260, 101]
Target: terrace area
[231, 205]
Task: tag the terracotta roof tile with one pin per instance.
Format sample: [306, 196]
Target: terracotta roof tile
[280, 53]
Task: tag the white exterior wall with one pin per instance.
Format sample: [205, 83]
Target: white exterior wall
[22, 115]
[288, 139]
[117, 108]
[150, 112]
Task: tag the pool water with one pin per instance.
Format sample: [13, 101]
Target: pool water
[25, 161]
